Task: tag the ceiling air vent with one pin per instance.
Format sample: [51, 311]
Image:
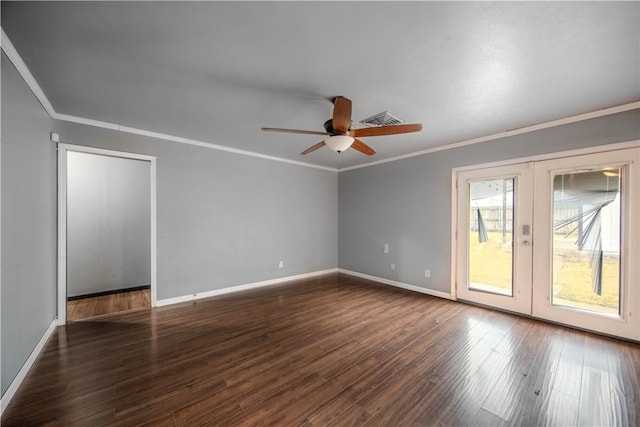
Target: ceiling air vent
[381, 119]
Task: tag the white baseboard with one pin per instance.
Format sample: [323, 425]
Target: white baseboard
[15, 384]
[175, 300]
[238, 288]
[414, 288]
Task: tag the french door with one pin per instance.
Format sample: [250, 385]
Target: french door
[494, 234]
[557, 239]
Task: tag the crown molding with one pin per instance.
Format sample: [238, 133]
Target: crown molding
[23, 70]
[553, 123]
[181, 140]
[17, 61]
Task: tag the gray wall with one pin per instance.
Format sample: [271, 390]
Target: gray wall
[108, 223]
[222, 219]
[407, 203]
[28, 223]
[225, 219]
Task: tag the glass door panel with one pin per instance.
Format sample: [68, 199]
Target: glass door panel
[494, 248]
[586, 240]
[586, 271]
[491, 236]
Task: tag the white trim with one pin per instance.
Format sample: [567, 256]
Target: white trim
[174, 300]
[62, 217]
[406, 286]
[62, 237]
[17, 62]
[555, 155]
[559, 122]
[239, 288]
[454, 236]
[105, 152]
[153, 230]
[179, 139]
[17, 381]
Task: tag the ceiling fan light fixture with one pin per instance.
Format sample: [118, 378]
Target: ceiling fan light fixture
[339, 143]
[339, 132]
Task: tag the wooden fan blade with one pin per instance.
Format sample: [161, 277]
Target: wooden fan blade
[386, 130]
[341, 115]
[362, 147]
[314, 148]
[306, 132]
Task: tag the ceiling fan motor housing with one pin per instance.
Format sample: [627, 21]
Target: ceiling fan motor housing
[328, 127]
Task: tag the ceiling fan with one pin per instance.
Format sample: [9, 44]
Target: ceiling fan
[341, 136]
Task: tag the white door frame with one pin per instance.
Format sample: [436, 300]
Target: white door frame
[626, 325]
[522, 175]
[63, 149]
[544, 157]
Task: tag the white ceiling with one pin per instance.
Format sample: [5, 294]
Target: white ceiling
[219, 71]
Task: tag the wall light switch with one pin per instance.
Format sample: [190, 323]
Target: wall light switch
[427, 273]
[386, 248]
[281, 264]
[393, 266]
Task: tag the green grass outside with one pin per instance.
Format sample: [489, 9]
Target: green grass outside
[573, 277]
[491, 263]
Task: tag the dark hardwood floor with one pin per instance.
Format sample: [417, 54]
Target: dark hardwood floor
[86, 308]
[335, 350]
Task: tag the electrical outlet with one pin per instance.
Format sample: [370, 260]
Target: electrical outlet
[386, 248]
[427, 273]
[281, 264]
[393, 266]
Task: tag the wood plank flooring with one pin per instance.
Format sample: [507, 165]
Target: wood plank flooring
[328, 351]
[107, 304]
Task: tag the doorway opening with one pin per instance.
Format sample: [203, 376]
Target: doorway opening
[106, 232]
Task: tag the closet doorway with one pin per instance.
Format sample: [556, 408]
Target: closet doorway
[106, 232]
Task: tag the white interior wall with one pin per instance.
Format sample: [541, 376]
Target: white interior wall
[108, 223]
